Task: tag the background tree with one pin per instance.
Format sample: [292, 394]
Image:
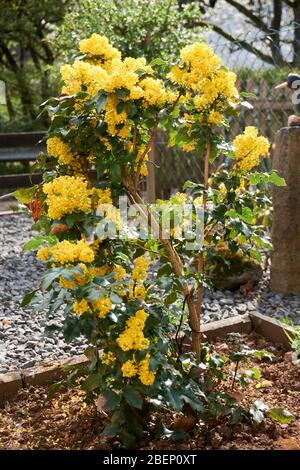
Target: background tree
[27, 53]
[148, 28]
[270, 17]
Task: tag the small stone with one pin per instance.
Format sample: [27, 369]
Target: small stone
[216, 439]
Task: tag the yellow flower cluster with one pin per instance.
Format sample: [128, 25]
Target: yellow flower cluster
[103, 69]
[60, 150]
[66, 252]
[108, 358]
[65, 195]
[130, 368]
[139, 273]
[98, 45]
[102, 306]
[221, 85]
[120, 273]
[102, 196]
[199, 62]
[141, 265]
[133, 336]
[137, 291]
[146, 376]
[248, 148]
[83, 74]
[44, 253]
[205, 82]
[80, 306]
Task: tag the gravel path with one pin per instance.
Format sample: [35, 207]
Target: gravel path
[22, 343]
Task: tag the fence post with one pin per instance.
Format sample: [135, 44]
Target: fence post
[285, 260]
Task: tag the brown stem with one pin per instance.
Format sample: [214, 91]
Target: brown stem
[174, 259]
[141, 159]
[201, 259]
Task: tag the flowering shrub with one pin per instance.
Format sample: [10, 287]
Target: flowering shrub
[101, 133]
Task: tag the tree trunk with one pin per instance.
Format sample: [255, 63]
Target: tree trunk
[296, 42]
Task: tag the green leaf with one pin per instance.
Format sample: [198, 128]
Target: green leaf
[71, 329]
[174, 399]
[194, 402]
[28, 298]
[255, 254]
[111, 430]
[133, 397]
[281, 415]
[50, 277]
[101, 102]
[190, 185]
[54, 388]
[25, 195]
[115, 298]
[237, 415]
[93, 381]
[112, 399]
[273, 177]
[253, 374]
[122, 93]
[38, 241]
[247, 215]
[257, 411]
[276, 179]
[171, 298]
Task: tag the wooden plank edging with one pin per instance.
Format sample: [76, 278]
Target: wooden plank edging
[47, 373]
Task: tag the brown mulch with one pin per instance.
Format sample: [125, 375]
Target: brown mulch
[31, 421]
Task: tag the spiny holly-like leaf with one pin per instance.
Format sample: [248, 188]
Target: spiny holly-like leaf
[281, 415]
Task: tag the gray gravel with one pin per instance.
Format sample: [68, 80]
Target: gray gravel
[22, 343]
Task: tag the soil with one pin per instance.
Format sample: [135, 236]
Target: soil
[31, 421]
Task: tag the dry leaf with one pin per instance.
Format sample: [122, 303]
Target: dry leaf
[264, 384]
[100, 405]
[239, 397]
[36, 207]
[247, 288]
[288, 443]
[185, 423]
[59, 228]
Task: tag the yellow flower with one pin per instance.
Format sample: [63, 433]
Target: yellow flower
[99, 46]
[80, 307]
[189, 147]
[137, 291]
[66, 252]
[133, 336]
[60, 150]
[65, 284]
[140, 268]
[120, 272]
[199, 62]
[129, 368]
[102, 306]
[215, 117]
[248, 147]
[44, 253]
[145, 375]
[100, 271]
[65, 195]
[108, 358]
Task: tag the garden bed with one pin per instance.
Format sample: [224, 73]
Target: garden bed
[31, 421]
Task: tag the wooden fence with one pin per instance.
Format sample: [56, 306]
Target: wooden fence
[171, 167]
